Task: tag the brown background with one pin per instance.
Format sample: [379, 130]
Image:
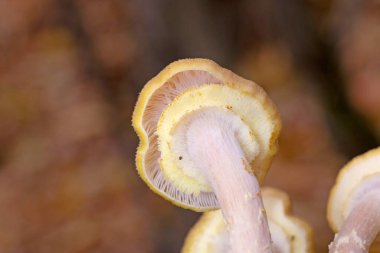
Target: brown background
[70, 72]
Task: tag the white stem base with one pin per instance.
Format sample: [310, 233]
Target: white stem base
[360, 228]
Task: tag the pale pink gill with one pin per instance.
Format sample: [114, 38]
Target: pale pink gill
[161, 98]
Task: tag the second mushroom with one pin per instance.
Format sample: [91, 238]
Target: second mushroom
[354, 206]
[207, 138]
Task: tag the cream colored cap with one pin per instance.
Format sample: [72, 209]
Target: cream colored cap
[181, 89]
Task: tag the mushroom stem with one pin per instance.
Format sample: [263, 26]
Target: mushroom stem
[361, 226]
[216, 150]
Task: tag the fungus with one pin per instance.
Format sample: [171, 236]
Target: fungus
[289, 234]
[354, 206]
[225, 129]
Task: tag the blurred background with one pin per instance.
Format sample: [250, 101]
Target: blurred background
[70, 73]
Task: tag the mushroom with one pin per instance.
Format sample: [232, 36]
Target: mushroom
[289, 234]
[207, 138]
[354, 206]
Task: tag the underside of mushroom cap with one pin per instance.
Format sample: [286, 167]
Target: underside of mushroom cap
[289, 234]
[164, 94]
[353, 180]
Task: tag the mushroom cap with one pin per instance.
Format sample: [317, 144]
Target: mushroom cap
[182, 88]
[289, 233]
[350, 182]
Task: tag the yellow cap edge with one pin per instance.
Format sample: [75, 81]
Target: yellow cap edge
[221, 73]
[288, 211]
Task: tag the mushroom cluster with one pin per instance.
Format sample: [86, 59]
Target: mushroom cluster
[289, 233]
[207, 138]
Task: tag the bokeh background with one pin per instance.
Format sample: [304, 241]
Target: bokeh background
[70, 73]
